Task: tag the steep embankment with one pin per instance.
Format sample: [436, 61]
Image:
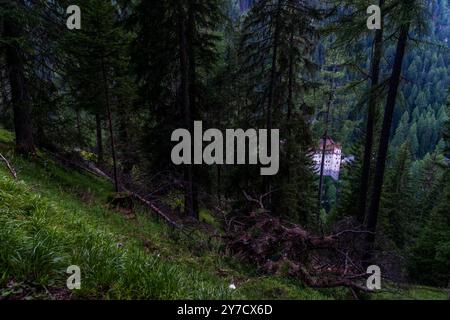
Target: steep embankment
[53, 217]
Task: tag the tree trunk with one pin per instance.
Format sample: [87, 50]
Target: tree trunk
[324, 147]
[219, 182]
[98, 125]
[271, 94]
[193, 99]
[20, 98]
[290, 105]
[110, 126]
[375, 76]
[189, 195]
[79, 135]
[125, 145]
[273, 71]
[384, 142]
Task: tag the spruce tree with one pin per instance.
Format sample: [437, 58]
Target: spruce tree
[95, 54]
[398, 204]
[407, 11]
[171, 65]
[277, 49]
[13, 41]
[429, 261]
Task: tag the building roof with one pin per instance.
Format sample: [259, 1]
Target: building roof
[330, 145]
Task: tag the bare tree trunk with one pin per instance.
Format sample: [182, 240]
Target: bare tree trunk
[324, 139]
[219, 182]
[394, 84]
[189, 202]
[79, 135]
[111, 133]
[98, 126]
[20, 98]
[273, 71]
[271, 93]
[375, 75]
[3, 85]
[193, 99]
[290, 105]
[125, 147]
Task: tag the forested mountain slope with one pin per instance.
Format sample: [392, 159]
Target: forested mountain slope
[55, 216]
[215, 116]
[421, 107]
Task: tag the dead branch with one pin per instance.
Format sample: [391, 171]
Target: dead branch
[92, 169]
[260, 201]
[11, 169]
[276, 246]
[157, 210]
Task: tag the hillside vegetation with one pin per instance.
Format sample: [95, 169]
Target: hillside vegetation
[53, 217]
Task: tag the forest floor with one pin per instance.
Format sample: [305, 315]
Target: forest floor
[53, 217]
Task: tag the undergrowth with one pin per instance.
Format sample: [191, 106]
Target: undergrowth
[53, 217]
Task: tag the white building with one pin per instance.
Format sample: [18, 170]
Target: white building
[333, 155]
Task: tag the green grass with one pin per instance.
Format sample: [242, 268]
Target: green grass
[206, 216]
[53, 217]
[412, 293]
[6, 136]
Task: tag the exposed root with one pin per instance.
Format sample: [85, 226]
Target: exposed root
[279, 247]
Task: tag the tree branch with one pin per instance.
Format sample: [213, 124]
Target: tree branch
[11, 169]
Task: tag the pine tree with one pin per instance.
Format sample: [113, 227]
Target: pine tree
[408, 11]
[94, 53]
[401, 134]
[277, 46]
[171, 65]
[350, 185]
[13, 37]
[430, 256]
[397, 204]
[371, 117]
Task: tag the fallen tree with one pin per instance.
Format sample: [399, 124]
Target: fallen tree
[277, 246]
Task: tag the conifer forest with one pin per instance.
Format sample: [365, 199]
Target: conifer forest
[224, 150]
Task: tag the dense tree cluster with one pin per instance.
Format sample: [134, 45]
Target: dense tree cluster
[115, 90]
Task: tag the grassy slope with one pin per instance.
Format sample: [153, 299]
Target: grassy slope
[54, 217]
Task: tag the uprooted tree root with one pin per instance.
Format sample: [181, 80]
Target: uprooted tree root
[279, 247]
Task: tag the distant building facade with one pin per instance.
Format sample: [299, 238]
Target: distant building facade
[333, 156]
